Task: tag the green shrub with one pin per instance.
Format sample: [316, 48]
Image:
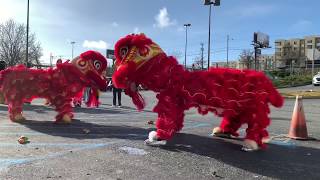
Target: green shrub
[293, 80]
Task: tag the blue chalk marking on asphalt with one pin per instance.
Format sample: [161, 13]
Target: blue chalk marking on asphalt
[5, 163]
[48, 145]
[68, 134]
[288, 144]
[9, 162]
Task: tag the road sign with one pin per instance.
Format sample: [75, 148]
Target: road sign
[214, 2]
[110, 54]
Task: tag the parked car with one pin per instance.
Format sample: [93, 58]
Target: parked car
[316, 79]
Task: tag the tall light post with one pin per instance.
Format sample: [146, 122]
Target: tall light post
[27, 48]
[313, 57]
[72, 45]
[209, 3]
[228, 38]
[185, 49]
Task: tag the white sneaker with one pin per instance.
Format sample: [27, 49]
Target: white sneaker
[113, 106]
[119, 106]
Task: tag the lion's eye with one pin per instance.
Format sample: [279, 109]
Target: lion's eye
[97, 64]
[144, 51]
[123, 52]
[82, 63]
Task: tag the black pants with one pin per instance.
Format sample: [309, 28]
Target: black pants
[115, 92]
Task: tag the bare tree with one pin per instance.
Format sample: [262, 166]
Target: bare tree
[246, 57]
[13, 44]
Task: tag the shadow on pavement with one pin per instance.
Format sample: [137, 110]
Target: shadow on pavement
[78, 130]
[43, 109]
[277, 161]
[127, 107]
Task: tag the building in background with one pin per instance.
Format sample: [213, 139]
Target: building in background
[312, 50]
[297, 53]
[232, 64]
[266, 62]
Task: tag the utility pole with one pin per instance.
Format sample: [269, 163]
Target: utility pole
[255, 57]
[202, 49]
[228, 50]
[313, 56]
[72, 44]
[51, 58]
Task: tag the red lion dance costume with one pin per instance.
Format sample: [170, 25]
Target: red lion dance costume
[59, 85]
[238, 96]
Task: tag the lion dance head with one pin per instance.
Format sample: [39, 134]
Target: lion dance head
[134, 53]
[93, 66]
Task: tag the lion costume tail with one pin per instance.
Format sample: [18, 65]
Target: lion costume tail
[274, 96]
[264, 84]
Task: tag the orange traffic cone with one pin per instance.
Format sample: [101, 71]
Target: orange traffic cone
[298, 128]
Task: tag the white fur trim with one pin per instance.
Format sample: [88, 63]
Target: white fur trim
[250, 145]
[66, 119]
[216, 130]
[153, 136]
[19, 117]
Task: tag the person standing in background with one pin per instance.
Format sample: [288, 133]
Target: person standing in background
[116, 92]
[3, 66]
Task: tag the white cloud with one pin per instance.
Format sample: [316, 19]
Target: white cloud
[163, 19]
[95, 44]
[12, 10]
[45, 58]
[114, 24]
[136, 30]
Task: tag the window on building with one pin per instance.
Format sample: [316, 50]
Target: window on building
[309, 41]
[309, 46]
[294, 42]
[278, 43]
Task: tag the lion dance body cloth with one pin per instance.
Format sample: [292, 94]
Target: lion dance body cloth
[238, 96]
[59, 85]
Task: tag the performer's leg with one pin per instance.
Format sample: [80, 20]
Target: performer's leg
[256, 132]
[2, 100]
[15, 110]
[114, 92]
[170, 120]
[119, 97]
[64, 109]
[228, 126]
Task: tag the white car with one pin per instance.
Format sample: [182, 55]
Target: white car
[316, 79]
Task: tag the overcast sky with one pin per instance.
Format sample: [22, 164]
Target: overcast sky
[98, 24]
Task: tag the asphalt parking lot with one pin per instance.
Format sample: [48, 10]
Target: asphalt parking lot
[108, 143]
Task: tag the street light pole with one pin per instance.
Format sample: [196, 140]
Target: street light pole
[72, 44]
[185, 50]
[209, 3]
[312, 71]
[209, 39]
[27, 48]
